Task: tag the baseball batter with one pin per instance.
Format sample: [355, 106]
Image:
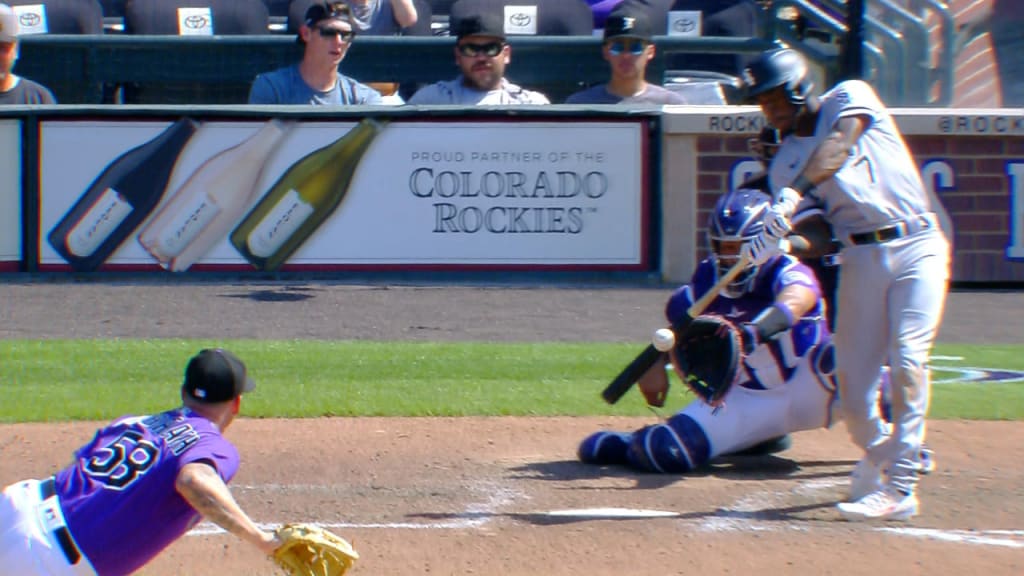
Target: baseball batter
[785, 383]
[844, 152]
[136, 487]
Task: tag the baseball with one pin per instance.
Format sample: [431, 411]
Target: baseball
[664, 339]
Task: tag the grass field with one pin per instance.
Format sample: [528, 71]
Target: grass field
[56, 380]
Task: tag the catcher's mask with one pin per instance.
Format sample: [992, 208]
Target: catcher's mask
[736, 220]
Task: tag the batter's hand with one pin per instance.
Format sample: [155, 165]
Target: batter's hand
[776, 220]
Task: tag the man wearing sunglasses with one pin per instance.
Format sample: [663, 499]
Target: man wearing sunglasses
[481, 54]
[326, 33]
[627, 48]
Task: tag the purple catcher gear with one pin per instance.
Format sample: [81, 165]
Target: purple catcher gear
[736, 219]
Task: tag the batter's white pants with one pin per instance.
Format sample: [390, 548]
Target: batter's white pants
[28, 546]
[891, 300]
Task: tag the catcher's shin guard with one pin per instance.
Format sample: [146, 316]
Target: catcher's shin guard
[675, 446]
[604, 447]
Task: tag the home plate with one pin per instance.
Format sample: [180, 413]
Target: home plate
[612, 513]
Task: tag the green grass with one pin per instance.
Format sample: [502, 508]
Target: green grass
[55, 380]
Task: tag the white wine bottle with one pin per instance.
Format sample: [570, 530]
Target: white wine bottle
[302, 199]
[211, 202]
[119, 199]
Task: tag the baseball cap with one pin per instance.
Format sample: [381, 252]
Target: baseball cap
[627, 24]
[216, 375]
[482, 24]
[320, 11]
[8, 24]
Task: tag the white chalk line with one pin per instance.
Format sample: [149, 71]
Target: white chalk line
[751, 513]
[476, 515]
[746, 515]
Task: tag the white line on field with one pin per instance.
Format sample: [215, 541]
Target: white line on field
[745, 515]
[475, 515]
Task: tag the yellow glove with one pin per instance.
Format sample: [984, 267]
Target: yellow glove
[307, 550]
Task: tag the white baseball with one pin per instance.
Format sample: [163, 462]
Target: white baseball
[664, 339]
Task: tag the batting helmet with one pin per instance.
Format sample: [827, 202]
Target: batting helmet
[737, 219]
[779, 68]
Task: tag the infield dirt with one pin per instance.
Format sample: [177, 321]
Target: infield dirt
[505, 495]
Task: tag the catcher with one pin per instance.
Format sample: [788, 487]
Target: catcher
[142, 482]
[783, 380]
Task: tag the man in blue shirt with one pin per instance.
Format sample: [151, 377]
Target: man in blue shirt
[326, 33]
[628, 49]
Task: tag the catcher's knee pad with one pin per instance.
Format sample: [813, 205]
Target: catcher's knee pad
[604, 447]
[676, 446]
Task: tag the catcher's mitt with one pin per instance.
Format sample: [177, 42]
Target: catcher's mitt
[308, 550]
[707, 356]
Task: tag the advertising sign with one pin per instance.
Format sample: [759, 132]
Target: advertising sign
[339, 194]
[10, 194]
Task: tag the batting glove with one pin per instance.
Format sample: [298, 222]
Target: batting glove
[776, 220]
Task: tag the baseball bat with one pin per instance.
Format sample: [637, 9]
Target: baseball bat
[621, 384]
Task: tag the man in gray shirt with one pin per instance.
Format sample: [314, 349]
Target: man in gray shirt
[481, 53]
[627, 48]
[15, 89]
[326, 33]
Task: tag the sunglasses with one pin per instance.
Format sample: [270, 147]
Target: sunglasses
[491, 49]
[346, 35]
[619, 47]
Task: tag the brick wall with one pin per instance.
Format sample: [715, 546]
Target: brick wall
[971, 175]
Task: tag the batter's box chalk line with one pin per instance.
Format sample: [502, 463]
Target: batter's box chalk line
[493, 498]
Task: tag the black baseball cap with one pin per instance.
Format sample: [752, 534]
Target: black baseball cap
[485, 23]
[320, 11]
[216, 375]
[627, 24]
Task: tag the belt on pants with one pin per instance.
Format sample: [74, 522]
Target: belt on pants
[892, 232]
[48, 490]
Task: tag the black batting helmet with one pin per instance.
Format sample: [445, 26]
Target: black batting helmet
[781, 67]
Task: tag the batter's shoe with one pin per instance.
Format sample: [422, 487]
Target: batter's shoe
[605, 447]
[884, 504]
[865, 479]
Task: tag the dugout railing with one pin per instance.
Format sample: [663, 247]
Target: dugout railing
[219, 69]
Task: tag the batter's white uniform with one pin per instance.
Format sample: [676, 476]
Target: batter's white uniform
[893, 279]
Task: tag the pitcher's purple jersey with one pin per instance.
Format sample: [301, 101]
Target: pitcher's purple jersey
[119, 497]
[808, 331]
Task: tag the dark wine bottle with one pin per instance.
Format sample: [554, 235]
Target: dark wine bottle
[119, 199]
[302, 199]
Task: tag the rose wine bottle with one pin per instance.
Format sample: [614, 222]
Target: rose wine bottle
[302, 199]
[119, 199]
[211, 202]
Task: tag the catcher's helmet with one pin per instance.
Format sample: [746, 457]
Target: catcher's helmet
[781, 67]
[736, 219]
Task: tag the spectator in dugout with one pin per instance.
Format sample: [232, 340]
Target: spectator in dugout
[481, 53]
[14, 89]
[628, 49]
[326, 33]
[382, 17]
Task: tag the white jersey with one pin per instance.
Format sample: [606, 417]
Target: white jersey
[878, 186]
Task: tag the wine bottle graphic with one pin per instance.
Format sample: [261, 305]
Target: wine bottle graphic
[211, 202]
[119, 199]
[302, 199]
